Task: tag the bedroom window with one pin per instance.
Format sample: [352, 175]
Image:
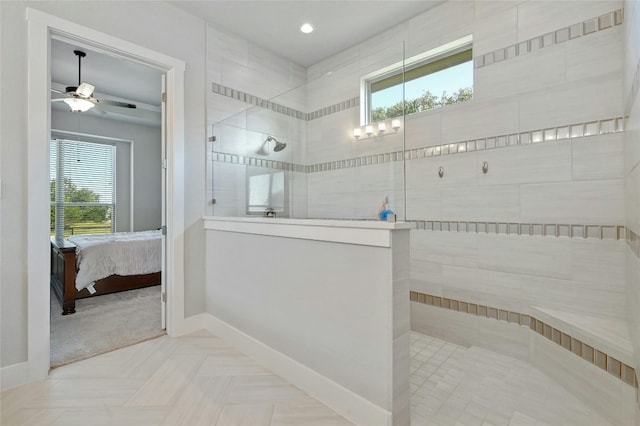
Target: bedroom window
[438, 77]
[82, 187]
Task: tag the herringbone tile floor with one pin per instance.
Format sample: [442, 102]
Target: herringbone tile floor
[191, 380]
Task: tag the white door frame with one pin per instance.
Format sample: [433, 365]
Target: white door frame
[41, 27]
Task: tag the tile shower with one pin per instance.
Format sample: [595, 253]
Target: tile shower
[550, 228]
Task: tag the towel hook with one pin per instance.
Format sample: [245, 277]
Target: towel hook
[441, 171]
[485, 167]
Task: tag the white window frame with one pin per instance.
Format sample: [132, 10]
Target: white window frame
[445, 50]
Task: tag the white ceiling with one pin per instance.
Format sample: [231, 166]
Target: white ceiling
[275, 25]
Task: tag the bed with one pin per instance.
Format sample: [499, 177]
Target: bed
[92, 265]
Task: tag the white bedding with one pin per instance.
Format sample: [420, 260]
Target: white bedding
[121, 253]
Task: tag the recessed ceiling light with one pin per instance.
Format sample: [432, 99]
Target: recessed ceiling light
[306, 28]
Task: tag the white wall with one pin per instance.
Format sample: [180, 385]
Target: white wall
[632, 172]
[156, 26]
[146, 150]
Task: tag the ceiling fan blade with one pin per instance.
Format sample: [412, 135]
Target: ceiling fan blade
[142, 114]
[85, 90]
[115, 103]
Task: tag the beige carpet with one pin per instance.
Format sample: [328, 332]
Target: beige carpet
[104, 323]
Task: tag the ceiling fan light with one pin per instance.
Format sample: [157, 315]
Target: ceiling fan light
[78, 105]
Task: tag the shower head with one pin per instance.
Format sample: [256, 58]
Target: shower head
[279, 145]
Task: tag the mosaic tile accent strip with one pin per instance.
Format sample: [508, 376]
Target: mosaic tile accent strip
[602, 232]
[332, 109]
[633, 241]
[590, 354]
[470, 308]
[590, 26]
[571, 131]
[223, 157]
[248, 98]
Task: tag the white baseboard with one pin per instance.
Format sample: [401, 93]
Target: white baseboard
[347, 403]
[14, 375]
[189, 325]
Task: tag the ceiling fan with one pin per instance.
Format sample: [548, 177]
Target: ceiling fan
[80, 98]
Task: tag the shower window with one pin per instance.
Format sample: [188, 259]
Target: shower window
[441, 76]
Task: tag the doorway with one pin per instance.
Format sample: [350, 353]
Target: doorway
[42, 27]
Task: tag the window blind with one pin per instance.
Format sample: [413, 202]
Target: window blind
[82, 175]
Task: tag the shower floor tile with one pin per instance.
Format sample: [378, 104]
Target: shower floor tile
[454, 385]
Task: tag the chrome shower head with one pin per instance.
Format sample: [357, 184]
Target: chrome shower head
[279, 145]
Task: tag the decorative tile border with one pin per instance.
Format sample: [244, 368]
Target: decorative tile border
[602, 232]
[223, 157]
[332, 109]
[248, 98]
[470, 308]
[580, 29]
[588, 353]
[229, 92]
[571, 131]
[633, 241]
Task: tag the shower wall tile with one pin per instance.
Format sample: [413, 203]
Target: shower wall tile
[598, 157]
[588, 202]
[495, 29]
[541, 162]
[599, 54]
[459, 171]
[424, 202]
[536, 17]
[633, 298]
[423, 129]
[573, 102]
[632, 200]
[224, 45]
[469, 330]
[598, 263]
[444, 23]
[525, 255]
[473, 120]
[426, 276]
[492, 288]
[632, 131]
[523, 74]
[499, 203]
[445, 248]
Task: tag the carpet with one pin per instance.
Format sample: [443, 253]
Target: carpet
[104, 323]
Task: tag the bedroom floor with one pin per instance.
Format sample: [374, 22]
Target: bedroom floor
[199, 379]
[104, 323]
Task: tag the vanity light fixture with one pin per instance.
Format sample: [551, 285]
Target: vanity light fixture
[377, 129]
